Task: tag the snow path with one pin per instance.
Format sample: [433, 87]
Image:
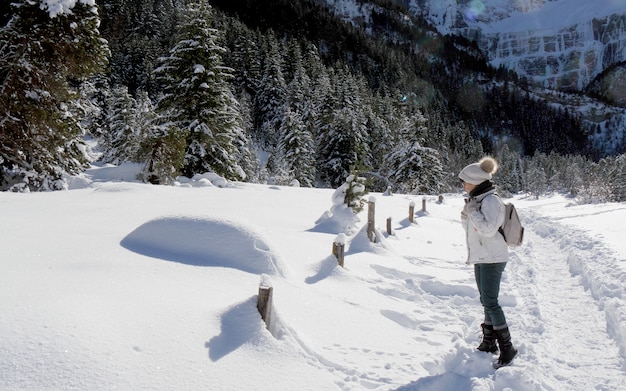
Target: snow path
[566, 334]
[564, 328]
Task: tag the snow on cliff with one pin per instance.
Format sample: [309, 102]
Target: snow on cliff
[561, 44]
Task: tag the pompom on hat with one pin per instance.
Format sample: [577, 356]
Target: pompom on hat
[477, 173]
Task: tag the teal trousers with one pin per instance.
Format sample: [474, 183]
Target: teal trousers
[488, 276]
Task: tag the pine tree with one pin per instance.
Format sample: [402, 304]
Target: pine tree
[352, 192]
[91, 104]
[509, 171]
[619, 178]
[139, 32]
[271, 96]
[463, 150]
[343, 135]
[299, 88]
[164, 155]
[378, 124]
[122, 125]
[197, 97]
[244, 56]
[161, 146]
[297, 149]
[41, 52]
[597, 182]
[344, 146]
[536, 179]
[413, 168]
[572, 168]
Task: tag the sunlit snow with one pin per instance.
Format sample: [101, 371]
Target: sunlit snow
[115, 284]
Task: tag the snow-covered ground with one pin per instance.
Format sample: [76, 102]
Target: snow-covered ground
[121, 285]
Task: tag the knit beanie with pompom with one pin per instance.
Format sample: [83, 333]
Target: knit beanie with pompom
[477, 173]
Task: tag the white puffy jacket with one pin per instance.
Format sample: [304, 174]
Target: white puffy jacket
[484, 215]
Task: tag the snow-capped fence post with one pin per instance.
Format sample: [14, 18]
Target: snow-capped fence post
[264, 301]
[424, 204]
[371, 216]
[411, 211]
[339, 248]
[389, 225]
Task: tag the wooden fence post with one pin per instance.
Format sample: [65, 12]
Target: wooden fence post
[371, 216]
[424, 204]
[389, 225]
[264, 301]
[339, 248]
[440, 199]
[412, 211]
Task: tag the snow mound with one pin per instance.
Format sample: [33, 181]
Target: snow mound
[339, 219]
[208, 179]
[205, 242]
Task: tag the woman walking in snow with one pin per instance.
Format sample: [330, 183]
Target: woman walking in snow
[482, 216]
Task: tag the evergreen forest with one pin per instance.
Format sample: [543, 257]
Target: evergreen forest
[275, 91]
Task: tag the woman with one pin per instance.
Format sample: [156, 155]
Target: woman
[482, 216]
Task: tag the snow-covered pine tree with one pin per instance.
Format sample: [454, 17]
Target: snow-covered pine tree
[597, 181]
[299, 87]
[418, 170]
[298, 151]
[312, 75]
[378, 124]
[413, 168]
[161, 147]
[351, 193]
[244, 56]
[163, 150]
[41, 50]
[249, 161]
[343, 146]
[463, 150]
[571, 173]
[271, 96]
[536, 179]
[93, 94]
[139, 32]
[197, 96]
[343, 139]
[326, 102]
[618, 178]
[122, 125]
[510, 174]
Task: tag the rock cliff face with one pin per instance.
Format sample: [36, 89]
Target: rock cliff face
[566, 58]
[559, 44]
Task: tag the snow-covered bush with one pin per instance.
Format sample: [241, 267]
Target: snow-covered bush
[351, 193]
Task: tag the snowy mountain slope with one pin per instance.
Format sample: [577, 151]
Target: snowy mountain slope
[560, 44]
[120, 285]
[513, 15]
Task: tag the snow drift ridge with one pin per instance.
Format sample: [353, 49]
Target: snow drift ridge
[205, 242]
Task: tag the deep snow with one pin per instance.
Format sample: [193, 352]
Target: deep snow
[115, 284]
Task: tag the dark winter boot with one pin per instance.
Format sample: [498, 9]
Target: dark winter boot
[488, 343]
[507, 351]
